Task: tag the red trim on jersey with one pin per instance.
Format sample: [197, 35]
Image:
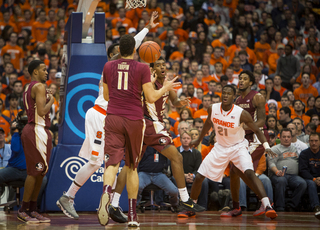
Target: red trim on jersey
[100, 110]
[229, 111]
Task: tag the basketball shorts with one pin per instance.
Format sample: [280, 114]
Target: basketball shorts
[37, 145]
[156, 136]
[215, 163]
[93, 145]
[123, 137]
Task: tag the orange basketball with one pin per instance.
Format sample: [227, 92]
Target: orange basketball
[149, 52]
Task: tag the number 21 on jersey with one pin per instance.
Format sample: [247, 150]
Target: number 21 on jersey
[125, 81]
[222, 131]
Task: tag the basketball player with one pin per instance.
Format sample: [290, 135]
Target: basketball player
[36, 141]
[93, 146]
[228, 120]
[158, 137]
[124, 80]
[254, 103]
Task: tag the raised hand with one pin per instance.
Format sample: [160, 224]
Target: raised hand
[171, 84]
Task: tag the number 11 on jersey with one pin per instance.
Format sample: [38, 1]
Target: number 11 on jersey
[126, 76]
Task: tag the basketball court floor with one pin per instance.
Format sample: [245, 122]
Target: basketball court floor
[166, 220]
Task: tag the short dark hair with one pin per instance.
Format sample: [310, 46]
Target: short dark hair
[224, 78]
[160, 59]
[231, 87]
[127, 44]
[111, 48]
[314, 134]
[312, 126]
[199, 120]
[17, 81]
[12, 96]
[285, 130]
[250, 74]
[268, 79]
[34, 65]
[286, 110]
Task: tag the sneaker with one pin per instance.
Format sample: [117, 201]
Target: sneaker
[317, 212]
[117, 215]
[40, 217]
[175, 209]
[24, 217]
[186, 214]
[232, 213]
[270, 212]
[133, 220]
[191, 206]
[103, 214]
[260, 211]
[225, 209]
[66, 204]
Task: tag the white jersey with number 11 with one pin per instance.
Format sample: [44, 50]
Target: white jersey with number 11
[227, 125]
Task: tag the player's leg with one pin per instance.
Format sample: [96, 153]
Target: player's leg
[243, 161]
[114, 211]
[196, 186]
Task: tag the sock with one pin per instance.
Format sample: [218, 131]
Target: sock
[33, 206]
[73, 189]
[24, 206]
[184, 194]
[236, 205]
[107, 189]
[132, 209]
[115, 199]
[265, 202]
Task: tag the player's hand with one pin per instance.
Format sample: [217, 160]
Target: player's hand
[185, 102]
[154, 77]
[194, 143]
[171, 84]
[154, 16]
[270, 153]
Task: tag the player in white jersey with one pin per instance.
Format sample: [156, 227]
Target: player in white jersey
[231, 146]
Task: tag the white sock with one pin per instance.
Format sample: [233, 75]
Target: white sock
[265, 202]
[73, 189]
[115, 199]
[82, 176]
[184, 194]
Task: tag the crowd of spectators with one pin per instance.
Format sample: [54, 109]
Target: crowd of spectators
[207, 44]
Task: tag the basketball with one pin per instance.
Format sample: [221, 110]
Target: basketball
[149, 52]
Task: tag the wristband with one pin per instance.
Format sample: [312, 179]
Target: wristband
[314, 179]
[266, 145]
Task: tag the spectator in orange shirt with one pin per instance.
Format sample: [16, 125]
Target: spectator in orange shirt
[179, 55]
[198, 81]
[277, 85]
[126, 22]
[273, 59]
[200, 93]
[27, 22]
[234, 47]
[244, 64]
[6, 21]
[13, 110]
[52, 16]
[15, 51]
[244, 46]
[180, 33]
[307, 69]
[216, 57]
[194, 102]
[305, 90]
[4, 121]
[221, 42]
[182, 127]
[40, 28]
[203, 113]
[52, 77]
[218, 72]
[25, 78]
[261, 46]
[298, 111]
[112, 12]
[206, 73]
[267, 53]
[236, 67]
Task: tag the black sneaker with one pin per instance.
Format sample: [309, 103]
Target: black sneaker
[117, 215]
[191, 206]
[317, 212]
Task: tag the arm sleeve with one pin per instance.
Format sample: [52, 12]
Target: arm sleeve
[297, 68]
[140, 36]
[304, 170]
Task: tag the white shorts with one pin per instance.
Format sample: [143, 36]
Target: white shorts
[93, 146]
[215, 163]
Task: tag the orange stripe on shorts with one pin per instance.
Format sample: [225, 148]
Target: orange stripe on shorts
[95, 153]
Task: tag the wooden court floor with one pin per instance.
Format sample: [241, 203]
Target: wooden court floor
[166, 220]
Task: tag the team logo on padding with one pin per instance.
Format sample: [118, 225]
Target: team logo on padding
[39, 166]
[162, 141]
